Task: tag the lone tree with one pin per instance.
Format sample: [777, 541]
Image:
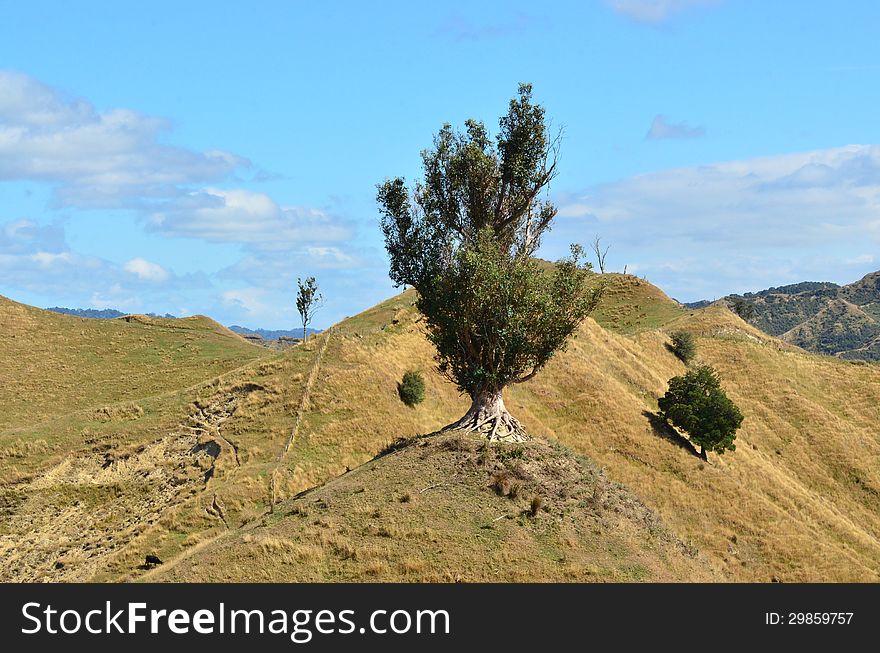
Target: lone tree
[308, 300]
[697, 404]
[465, 240]
[596, 246]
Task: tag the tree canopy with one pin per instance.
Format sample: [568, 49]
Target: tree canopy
[697, 404]
[684, 346]
[465, 237]
[308, 300]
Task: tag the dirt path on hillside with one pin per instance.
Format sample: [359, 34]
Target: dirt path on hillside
[307, 390]
[300, 412]
[65, 524]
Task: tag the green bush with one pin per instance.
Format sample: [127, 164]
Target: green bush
[411, 389]
[684, 345]
[696, 403]
[743, 308]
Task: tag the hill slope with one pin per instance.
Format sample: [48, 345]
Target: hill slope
[95, 430]
[454, 508]
[54, 363]
[798, 500]
[826, 318]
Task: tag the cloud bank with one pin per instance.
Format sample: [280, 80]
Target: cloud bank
[249, 218]
[119, 160]
[37, 258]
[97, 160]
[739, 225]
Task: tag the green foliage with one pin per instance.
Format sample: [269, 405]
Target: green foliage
[496, 320]
[465, 240]
[411, 389]
[745, 309]
[696, 403]
[684, 345]
[308, 300]
[823, 317]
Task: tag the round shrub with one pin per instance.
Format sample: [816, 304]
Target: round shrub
[684, 345]
[411, 389]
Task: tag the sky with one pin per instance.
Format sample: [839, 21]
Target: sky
[199, 157]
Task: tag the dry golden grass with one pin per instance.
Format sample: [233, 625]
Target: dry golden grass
[455, 526]
[54, 364]
[797, 500]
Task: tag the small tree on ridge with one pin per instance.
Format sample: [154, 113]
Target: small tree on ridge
[308, 300]
[596, 245]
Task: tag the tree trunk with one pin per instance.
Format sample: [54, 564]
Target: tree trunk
[703, 453]
[304, 333]
[487, 415]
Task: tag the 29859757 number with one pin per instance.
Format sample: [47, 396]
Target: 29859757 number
[808, 618]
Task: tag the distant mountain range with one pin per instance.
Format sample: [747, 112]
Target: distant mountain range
[272, 334]
[818, 316]
[110, 313]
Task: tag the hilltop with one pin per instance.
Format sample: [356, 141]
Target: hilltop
[53, 364]
[111, 313]
[450, 507]
[212, 463]
[822, 317]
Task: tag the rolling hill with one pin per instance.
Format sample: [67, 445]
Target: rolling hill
[210, 478]
[452, 508]
[823, 317]
[110, 313]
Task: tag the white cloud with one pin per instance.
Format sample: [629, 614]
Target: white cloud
[752, 224]
[864, 259]
[96, 159]
[27, 236]
[247, 217]
[662, 129]
[147, 271]
[655, 11]
[37, 259]
[331, 257]
[804, 198]
[47, 259]
[116, 159]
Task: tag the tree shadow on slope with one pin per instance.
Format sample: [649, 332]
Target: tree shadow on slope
[663, 429]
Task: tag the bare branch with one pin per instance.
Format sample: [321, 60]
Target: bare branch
[600, 253]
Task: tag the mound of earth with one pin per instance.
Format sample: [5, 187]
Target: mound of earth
[453, 507]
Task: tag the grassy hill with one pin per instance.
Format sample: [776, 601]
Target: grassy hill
[54, 364]
[826, 318]
[452, 508]
[208, 477]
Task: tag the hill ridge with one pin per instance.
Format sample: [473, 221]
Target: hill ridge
[798, 500]
[802, 314]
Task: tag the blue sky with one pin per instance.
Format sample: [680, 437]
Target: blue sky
[197, 157]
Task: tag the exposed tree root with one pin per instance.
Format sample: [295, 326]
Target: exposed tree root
[488, 416]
